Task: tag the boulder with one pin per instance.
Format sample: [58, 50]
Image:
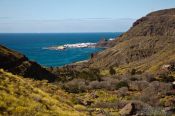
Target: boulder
[127, 110]
[166, 67]
[88, 103]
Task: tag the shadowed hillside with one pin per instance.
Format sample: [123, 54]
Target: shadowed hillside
[17, 63]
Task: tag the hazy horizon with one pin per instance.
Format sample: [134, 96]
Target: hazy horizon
[65, 16]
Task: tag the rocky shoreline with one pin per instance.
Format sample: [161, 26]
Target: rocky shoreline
[103, 43]
[77, 45]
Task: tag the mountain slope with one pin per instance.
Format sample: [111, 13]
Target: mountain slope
[25, 97]
[150, 42]
[17, 63]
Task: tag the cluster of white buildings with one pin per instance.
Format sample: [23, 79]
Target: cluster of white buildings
[80, 45]
[77, 45]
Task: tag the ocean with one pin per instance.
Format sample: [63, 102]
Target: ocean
[32, 44]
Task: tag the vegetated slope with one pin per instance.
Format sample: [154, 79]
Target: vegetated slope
[147, 45]
[21, 96]
[17, 63]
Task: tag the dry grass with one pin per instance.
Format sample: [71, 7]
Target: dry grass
[22, 97]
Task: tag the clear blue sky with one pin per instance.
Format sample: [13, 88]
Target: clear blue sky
[75, 15]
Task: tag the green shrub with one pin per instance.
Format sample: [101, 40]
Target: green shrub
[166, 78]
[133, 71]
[138, 85]
[121, 84]
[112, 71]
[75, 86]
[91, 75]
[154, 91]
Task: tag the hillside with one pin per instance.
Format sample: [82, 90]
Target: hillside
[19, 64]
[134, 76]
[25, 97]
[149, 44]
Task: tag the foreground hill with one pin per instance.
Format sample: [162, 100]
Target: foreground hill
[17, 63]
[149, 44]
[25, 97]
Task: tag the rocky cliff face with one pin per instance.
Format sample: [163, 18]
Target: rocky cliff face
[19, 64]
[150, 41]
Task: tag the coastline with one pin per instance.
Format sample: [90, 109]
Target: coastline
[81, 61]
[77, 45]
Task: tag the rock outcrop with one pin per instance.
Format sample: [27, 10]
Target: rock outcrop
[102, 43]
[19, 64]
[127, 110]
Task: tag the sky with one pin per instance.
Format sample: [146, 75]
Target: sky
[59, 16]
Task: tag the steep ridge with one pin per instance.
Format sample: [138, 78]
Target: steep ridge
[19, 64]
[149, 42]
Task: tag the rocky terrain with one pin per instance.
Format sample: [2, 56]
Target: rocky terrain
[134, 76]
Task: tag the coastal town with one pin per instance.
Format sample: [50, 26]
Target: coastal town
[77, 45]
[102, 43]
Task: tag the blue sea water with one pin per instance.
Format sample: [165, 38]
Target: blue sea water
[31, 45]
